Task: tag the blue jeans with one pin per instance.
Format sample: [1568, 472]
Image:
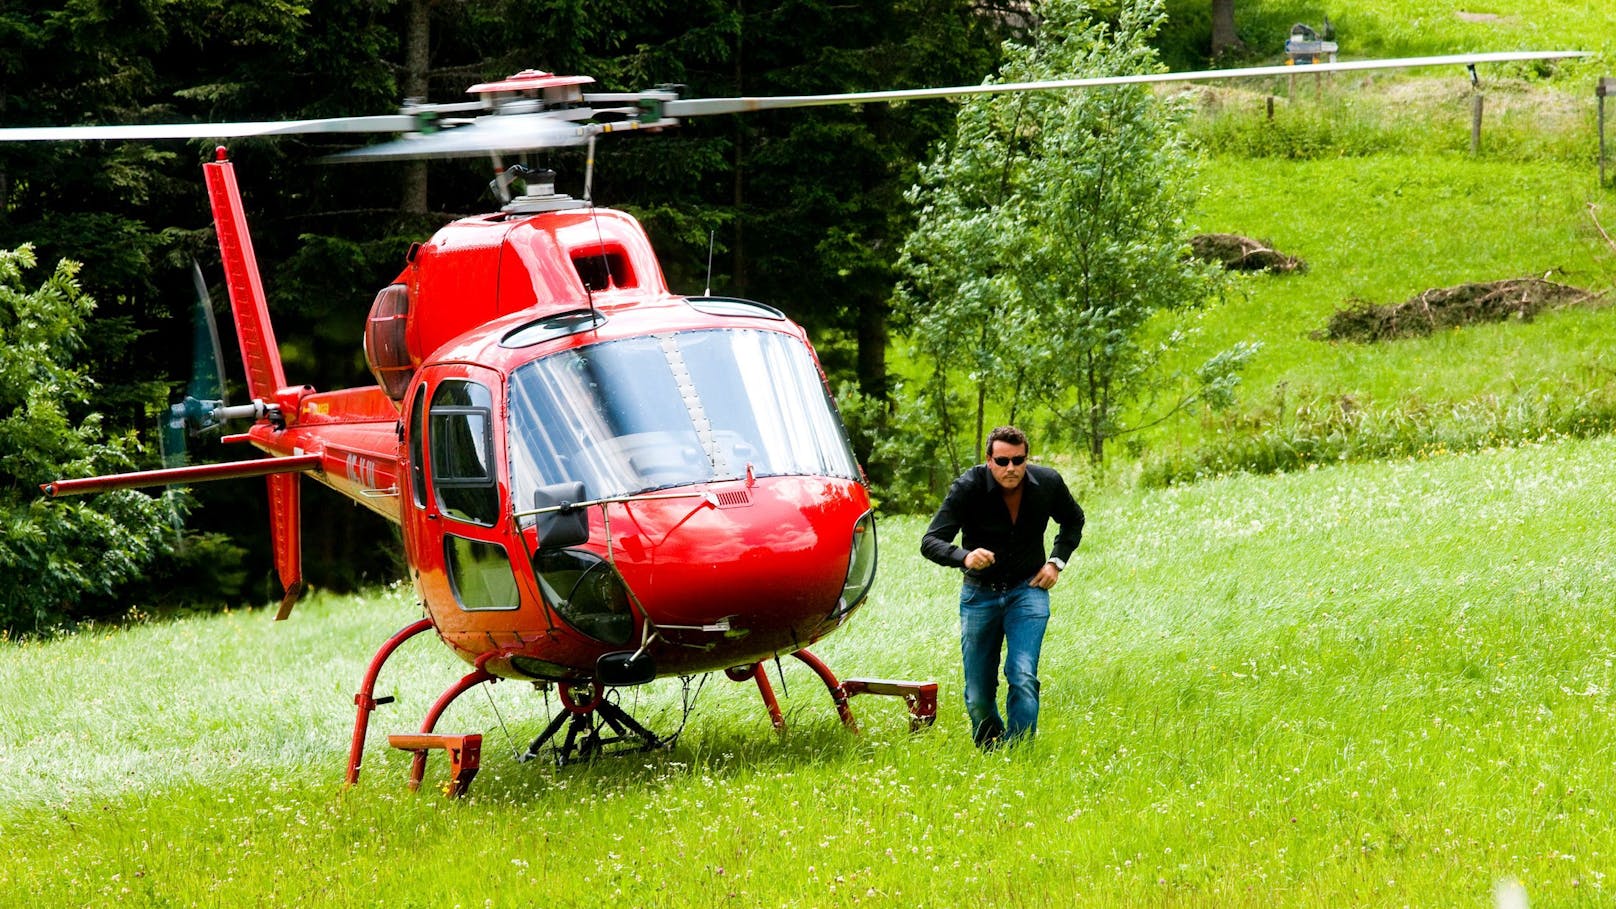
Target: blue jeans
[1013, 621]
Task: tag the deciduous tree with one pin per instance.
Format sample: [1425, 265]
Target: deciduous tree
[1049, 265]
[57, 555]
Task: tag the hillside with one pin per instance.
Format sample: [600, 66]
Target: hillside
[1374, 684]
[1373, 183]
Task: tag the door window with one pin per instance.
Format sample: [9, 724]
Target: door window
[460, 428]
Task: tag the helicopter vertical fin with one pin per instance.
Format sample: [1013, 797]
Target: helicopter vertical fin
[259, 353]
[286, 529]
[261, 359]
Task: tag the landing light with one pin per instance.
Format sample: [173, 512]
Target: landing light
[860, 565]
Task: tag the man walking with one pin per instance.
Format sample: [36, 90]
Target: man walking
[1001, 508]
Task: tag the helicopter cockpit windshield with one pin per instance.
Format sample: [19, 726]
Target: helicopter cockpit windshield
[672, 409]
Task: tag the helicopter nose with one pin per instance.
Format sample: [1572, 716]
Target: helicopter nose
[770, 569]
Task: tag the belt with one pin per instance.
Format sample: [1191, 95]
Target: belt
[996, 586]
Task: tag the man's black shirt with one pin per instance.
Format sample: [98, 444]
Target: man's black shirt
[975, 507]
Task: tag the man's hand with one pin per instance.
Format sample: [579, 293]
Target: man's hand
[978, 559]
[1046, 577]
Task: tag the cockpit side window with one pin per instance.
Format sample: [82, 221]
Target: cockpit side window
[480, 574]
[417, 463]
[460, 438]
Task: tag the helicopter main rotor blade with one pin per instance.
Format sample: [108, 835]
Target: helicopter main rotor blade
[385, 123]
[496, 134]
[519, 127]
[698, 107]
[508, 133]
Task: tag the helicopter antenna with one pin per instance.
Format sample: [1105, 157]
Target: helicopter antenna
[594, 217]
[501, 184]
[708, 290]
[516, 752]
[589, 173]
[606, 269]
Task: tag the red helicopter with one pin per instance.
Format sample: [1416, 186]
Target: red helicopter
[599, 482]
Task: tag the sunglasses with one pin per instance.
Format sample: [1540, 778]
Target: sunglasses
[1003, 461]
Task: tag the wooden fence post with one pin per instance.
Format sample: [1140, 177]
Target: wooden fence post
[1605, 86]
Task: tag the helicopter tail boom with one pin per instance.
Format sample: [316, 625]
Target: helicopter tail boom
[174, 476]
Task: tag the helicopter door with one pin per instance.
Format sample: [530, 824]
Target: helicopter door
[454, 485]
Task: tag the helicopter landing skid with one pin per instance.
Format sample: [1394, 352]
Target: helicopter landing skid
[921, 697]
[463, 751]
[591, 728]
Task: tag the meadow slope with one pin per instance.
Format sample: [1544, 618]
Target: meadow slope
[1383, 684]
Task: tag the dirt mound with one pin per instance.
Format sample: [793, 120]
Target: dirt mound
[1237, 253]
[1444, 307]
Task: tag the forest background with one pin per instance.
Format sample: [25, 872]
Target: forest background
[806, 209]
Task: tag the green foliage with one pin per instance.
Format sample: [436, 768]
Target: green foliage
[806, 207]
[817, 194]
[1051, 242]
[60, 559]
[908, 455]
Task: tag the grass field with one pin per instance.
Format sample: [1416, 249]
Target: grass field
[1375, 684]
[1367, 685]
[1416, 223]
[1409, 28]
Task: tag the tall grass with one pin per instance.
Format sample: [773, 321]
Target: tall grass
[1371, 685]
[1337, 117]
[1290, 436]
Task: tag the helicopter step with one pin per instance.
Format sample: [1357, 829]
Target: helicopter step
[921, 697]
[464, 752]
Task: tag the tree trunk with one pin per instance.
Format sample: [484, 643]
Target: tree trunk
[738, 244]
[417, 63]
[981, 415]
[1224, 38]
[872, 349]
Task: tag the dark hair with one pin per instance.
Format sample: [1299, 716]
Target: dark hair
[1008, 435]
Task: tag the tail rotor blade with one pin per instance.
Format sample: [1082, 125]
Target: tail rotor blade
[207, 362]
[172, 438]
[204, 393]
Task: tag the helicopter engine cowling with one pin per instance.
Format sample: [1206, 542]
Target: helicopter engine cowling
[478, 269]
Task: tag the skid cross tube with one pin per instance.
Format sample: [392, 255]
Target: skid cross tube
[920, 697]
[589, 720]
[759, 674]
[838, 694]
